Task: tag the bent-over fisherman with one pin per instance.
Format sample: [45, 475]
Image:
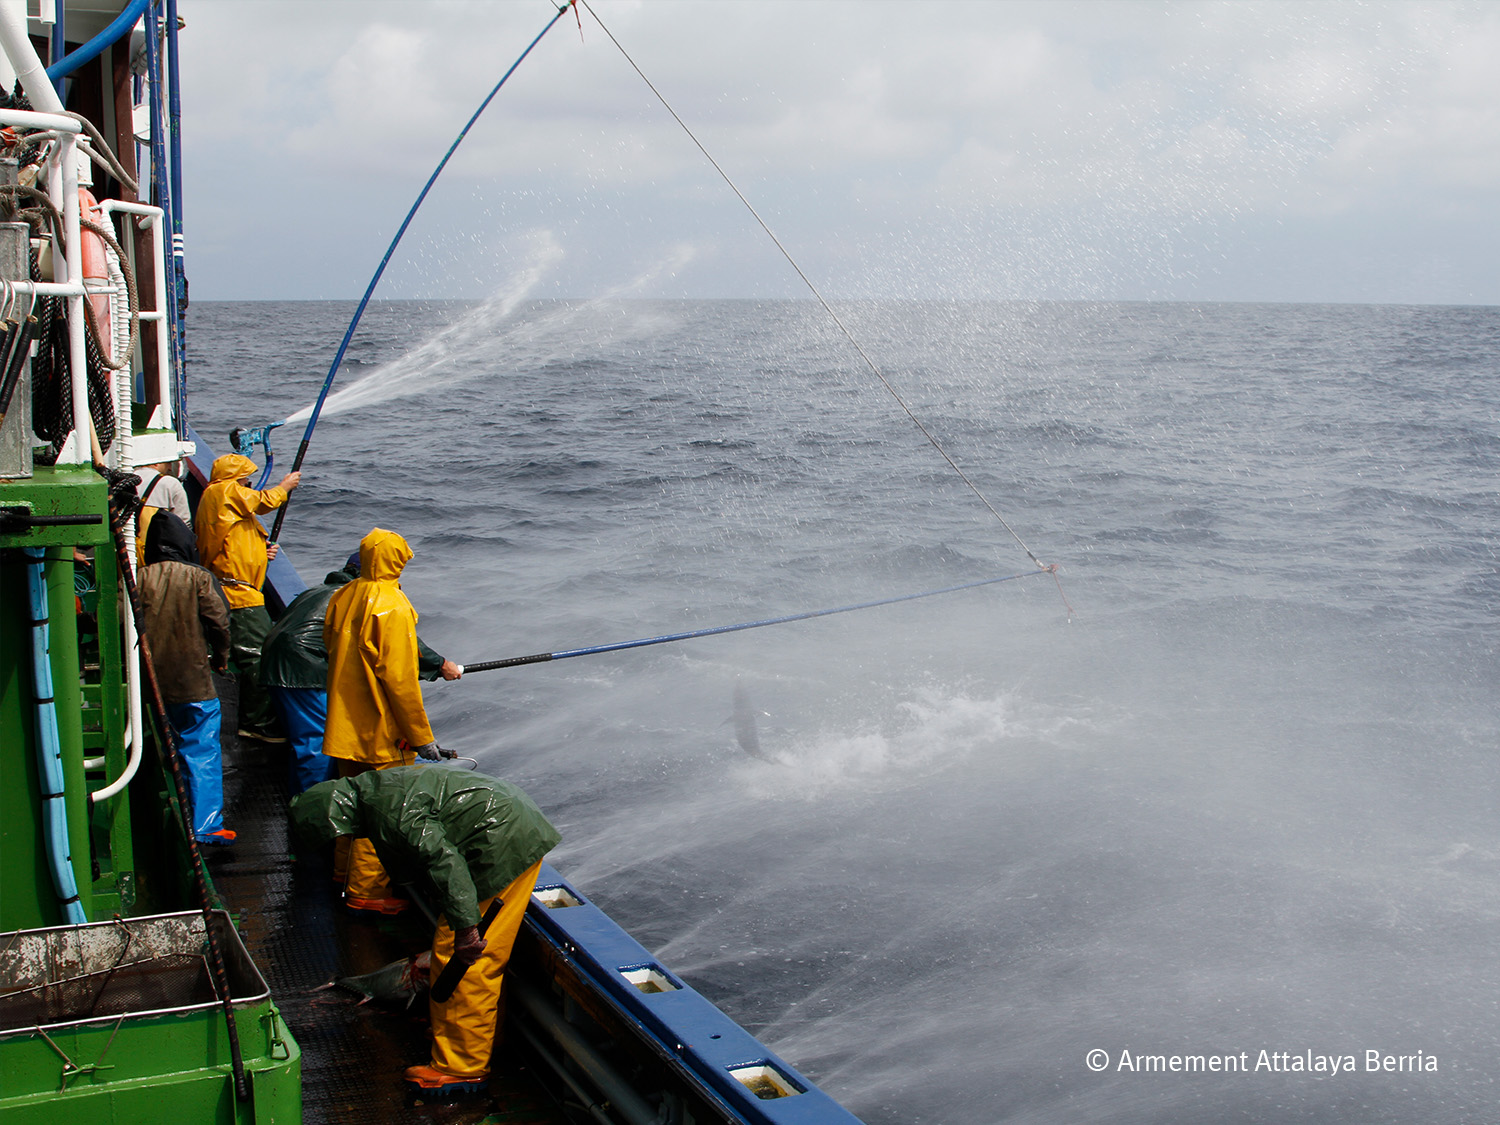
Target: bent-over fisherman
[468, 839]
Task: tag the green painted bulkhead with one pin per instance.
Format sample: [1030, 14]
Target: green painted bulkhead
[104, 1043]
[90, 704]
[128, 856]
[119, 1022]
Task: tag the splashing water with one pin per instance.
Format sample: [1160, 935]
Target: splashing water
[483, 342]
[1244, 802]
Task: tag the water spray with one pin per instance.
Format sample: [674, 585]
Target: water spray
[618, 646]
[338, 358]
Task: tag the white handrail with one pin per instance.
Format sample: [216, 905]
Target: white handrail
[156, 218]
[30, 119]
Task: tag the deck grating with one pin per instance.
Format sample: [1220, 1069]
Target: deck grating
[289, 916]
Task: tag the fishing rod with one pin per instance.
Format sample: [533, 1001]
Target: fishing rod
[338, 358]
[543, 657]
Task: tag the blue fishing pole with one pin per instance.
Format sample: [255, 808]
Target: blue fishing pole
[543, 657]
[369, 291]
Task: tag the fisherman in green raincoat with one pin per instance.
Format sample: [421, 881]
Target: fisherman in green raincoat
[466, 839]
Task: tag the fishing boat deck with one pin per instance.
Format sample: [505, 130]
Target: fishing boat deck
[288, 914]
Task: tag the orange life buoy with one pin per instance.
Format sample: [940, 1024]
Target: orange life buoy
[95, 266]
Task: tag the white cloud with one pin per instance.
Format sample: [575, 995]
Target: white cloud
[1147, 119]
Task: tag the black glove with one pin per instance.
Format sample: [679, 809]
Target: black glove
[431, 751]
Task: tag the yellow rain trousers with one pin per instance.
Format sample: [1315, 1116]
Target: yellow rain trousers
[374, 695]
[355, 864]
[464, 1029]
[231, 541]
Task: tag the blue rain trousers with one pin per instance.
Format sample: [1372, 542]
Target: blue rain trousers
[305, 713]
[197, 729]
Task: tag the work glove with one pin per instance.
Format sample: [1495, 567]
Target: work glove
[468, 945]
[432, 752]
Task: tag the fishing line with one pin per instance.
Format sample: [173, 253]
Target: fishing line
[870, 363]
[338, 358]
[618, 646]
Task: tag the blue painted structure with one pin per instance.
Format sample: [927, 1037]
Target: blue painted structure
[688, 1031]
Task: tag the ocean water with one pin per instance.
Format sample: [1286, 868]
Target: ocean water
[1242, 799]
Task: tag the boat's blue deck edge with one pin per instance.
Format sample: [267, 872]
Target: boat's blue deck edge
[685, 1026]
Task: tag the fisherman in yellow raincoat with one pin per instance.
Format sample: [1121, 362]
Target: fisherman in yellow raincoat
[376, 718]
[232, 544]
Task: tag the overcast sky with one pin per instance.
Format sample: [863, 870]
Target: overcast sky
[899, 148]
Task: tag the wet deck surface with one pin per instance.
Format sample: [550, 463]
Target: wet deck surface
[301, 938]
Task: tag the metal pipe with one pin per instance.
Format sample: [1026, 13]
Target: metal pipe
[155, 218]
[50, 288]
[174, 137]
[136, 725]
[162, 186]
[16, 43]
[590, 1102]
[59, 38]
[77, 353]
[57, 122]
[621, 1096]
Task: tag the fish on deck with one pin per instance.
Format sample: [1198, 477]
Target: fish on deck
[400, 982]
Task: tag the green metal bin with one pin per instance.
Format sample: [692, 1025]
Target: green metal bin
[119, 1022]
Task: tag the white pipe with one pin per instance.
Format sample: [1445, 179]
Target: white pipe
[134, 736]
[17, 46]
[48, 122]
[154, 219]
[132, 669]
[8, 72]
[77, 356]
[49, 288]
[137, 742]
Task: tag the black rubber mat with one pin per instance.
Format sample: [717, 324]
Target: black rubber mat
[289, 915]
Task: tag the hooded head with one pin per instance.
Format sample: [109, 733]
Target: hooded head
[351, 564]
[327, 810]
[232, 466]
[383, 554]
[169, 540]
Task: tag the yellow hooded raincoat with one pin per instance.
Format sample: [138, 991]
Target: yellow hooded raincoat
[231, 541]
[370, 630]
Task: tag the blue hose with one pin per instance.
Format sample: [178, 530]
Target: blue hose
[49, 746]
[122, 26]
[338, 357]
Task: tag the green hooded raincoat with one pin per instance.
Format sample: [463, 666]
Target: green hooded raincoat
[462, 836]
